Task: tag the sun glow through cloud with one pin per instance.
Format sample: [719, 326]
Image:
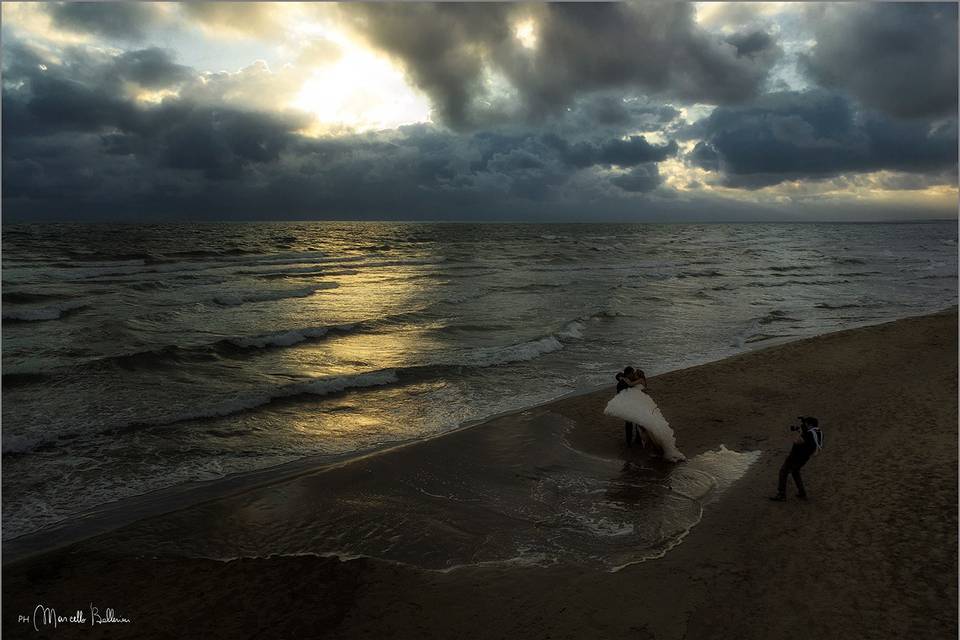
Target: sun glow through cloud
[526, 33]
[360, 91]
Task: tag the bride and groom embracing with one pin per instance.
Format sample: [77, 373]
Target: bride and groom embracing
[642, 415]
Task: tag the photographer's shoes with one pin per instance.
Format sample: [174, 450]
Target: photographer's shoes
[780, 497]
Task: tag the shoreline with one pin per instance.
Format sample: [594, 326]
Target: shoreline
[869, 558]
[117, 514]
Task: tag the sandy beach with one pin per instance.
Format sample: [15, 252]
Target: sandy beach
[871, 554]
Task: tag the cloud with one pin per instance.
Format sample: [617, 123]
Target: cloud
[451, 51]
[74, 141]
[122, 20]
[49, 99]
[627, 152]
[73, 146]
[254, 87]
[585, 120]
[900, 58]
[641, 179]
[816, 134]
[151, 68]
[257, 19]
[318, 52]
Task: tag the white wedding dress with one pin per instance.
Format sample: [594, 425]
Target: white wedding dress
[636, 406]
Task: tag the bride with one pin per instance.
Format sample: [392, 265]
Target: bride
[633, 405]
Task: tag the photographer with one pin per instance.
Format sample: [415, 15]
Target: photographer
[808, 442]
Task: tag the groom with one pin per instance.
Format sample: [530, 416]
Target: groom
[631, 377]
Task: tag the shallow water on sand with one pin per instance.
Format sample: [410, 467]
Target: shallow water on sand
[510, 491]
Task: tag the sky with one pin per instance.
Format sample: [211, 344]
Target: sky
[646, 112]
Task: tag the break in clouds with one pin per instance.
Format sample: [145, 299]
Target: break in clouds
[540, 112]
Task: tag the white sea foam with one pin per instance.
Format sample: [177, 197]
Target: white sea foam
[636, 406]
[489, 357]
[572, 330]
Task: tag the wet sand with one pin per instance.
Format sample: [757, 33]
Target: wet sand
[872, 554]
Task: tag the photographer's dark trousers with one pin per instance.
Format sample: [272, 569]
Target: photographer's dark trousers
[791, 466]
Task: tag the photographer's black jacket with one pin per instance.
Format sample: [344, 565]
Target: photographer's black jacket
[801, 451]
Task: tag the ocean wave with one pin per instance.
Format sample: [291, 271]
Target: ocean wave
[22, 378]
[533, 287]
[23, 444]
[861, 305]
[797, 267]
[239, 404]
[706, 273]
[108, 264]
[293, 272]
[786, 283]
[286, 338]
[176, 355]
[209, 253]
[152, 285]
[241, 297]
[476, 358]
[776, 315]
[762, 337]
[87, 273]
[849, 261]
[49, 312]
[525, 351]
[521, 352]
[347, 265]
[573, 330]
[26, 297]
[166, 266]
[93, 257]
[14, 444]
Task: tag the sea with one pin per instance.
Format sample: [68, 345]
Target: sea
[137, 358]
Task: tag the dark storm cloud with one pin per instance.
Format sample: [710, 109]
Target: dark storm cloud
[580, 48]
[565, 133]
[751, 43]
[899, 58]
[45, 101]
[124, 20]
[151, 68]
[614, 110]
[75, 143]
[624, 153]
[642, 178]
[816, 134]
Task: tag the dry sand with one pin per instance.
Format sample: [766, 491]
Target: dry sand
[872, 554]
